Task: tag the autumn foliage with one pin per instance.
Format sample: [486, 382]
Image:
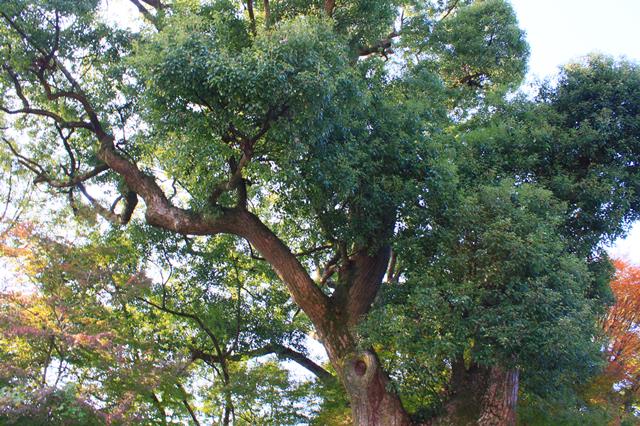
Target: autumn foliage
[618, 386]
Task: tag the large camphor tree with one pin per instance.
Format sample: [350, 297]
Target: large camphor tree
[368, 153]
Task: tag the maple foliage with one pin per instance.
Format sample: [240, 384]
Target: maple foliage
[58, 334]
[85, 340]
[618, 386]
[622, 322]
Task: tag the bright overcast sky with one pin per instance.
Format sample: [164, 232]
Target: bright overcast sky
[561, 30]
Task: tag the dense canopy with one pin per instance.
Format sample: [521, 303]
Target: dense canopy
[207, 187]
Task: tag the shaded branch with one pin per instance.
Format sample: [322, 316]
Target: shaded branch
[192, 317]
[473, 79]
[187, 405]
[25, 161]
[7, 202]
[234, 181]
[131, 201]
[247, 145]
[145, 12]
[382, 47]
[159, 407]
[280, 351]
[297, 254]
[449, 10]
[393, 271]
[267, 13]
[366, 273]
[78, 95]
[99, 208]
[329, 5]
[252, 17]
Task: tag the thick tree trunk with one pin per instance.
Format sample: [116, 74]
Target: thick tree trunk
[366, 383]
[485, 396]
[373, 403]
[500, 398]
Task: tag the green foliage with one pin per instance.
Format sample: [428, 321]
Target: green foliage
[563, 409]
[578, 139]
[344, 129]
[501, 290]
[47, 407]
[481, 46]
[268, 395]
[96, 328]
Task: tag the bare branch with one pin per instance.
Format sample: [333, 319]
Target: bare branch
[56, 39]
[449, 10]
[101, 210]
[79, 95]
[330, 268]
[233, 182]
[192, 317]
[392, 267]
[43, 177]
[247, 145]
[17, 85]
[8, 200]
[145, 12]
[280, 351]
[313, 250]
[156, 4]
[25, 161]
[44, 113]
[187, 405]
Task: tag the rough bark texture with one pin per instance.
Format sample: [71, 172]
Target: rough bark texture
[366, 383]
[499, 401]
[371, 402]
[485, 396]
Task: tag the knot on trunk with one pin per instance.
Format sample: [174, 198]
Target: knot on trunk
[360, 368]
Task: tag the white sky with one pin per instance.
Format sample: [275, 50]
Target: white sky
[561, 30]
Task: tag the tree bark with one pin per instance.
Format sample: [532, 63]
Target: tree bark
[500, 398]
[373, 403]
[366, 383]
[485, 396]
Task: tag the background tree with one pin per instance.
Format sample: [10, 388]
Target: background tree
[616, 387]
[517, 246]
[95, 329]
